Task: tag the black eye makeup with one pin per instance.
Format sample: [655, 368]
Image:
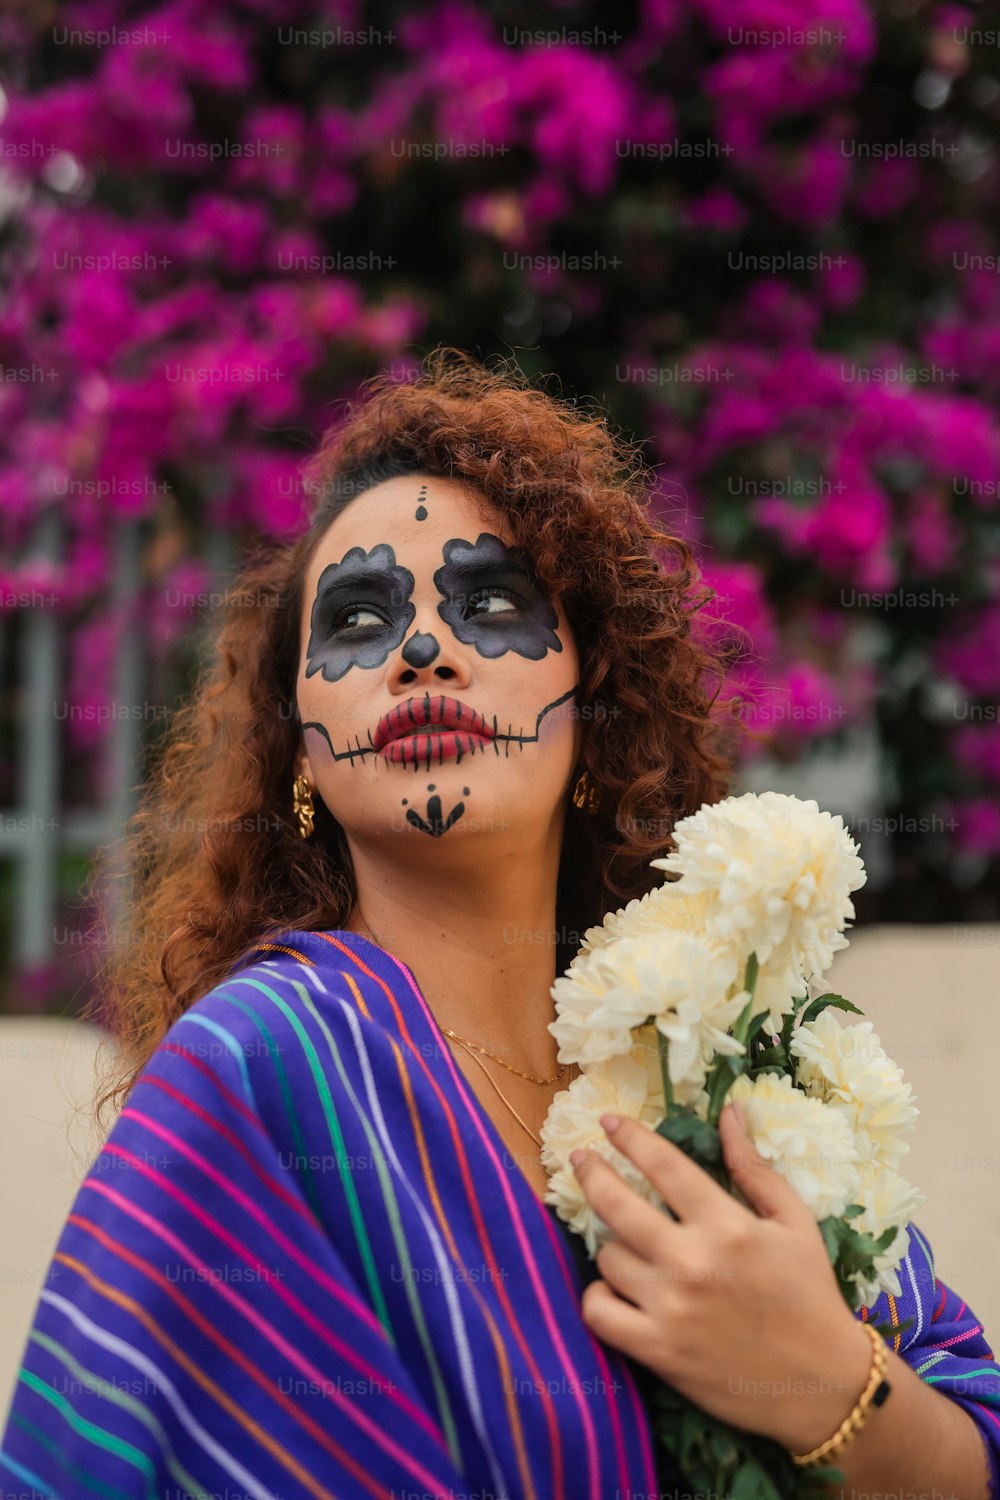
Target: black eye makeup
[494, 591]
[361, 612]
[487, 568]
[491, 599]
[342, 619]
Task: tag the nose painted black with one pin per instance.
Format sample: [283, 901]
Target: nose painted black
[420, 650]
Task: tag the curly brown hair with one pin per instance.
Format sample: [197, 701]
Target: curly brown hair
[215, 864]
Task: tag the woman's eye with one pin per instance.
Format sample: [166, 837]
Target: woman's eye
[348, 618]
[504, 599]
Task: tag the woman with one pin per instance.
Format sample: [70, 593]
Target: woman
[442, 735]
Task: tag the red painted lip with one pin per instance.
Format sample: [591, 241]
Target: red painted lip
[413, 716]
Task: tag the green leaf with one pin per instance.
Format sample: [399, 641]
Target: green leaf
[722, 1447]
[693, 1430]
[752, 1482]
[786, 1030]
[889, 1330]
[797, 1005]
[696, 1138]
[825, 1475]
[771, 1059]
[822, 1001]
[756, 1026]
[830, 1230]
[699, 1454]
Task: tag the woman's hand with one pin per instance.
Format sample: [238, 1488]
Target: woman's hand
[738, 1310]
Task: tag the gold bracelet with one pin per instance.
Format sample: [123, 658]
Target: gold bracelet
[872, 1397]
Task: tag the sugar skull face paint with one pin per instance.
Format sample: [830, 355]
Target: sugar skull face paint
[334, 651]
[420, 650]
[435, 823]
[435, 726]
[528, 629]
[429, 645]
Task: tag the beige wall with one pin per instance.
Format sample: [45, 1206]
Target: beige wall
[933, 995]
[46, 1082]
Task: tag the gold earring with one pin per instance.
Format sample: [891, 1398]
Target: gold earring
[302, 805]
[585, 794]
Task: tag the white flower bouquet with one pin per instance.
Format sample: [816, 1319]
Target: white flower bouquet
[702, 989]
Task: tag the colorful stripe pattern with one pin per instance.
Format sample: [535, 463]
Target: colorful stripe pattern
[945, 1344]
[304, 1264]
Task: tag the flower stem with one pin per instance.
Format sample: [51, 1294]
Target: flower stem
[722, 1078]
[746, 1014]
[668, 1088]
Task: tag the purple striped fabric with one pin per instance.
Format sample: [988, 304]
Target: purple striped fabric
[304, 1264]
[945, 1344]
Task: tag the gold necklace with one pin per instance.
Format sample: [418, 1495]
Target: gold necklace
[503, 1096]
[472, 1049]
[509, 1066]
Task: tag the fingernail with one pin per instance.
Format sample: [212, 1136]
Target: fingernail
[611, 1122]
[576, 1159]
[734, 1105]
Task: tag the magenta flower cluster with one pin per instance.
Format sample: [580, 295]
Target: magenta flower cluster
[762, 230]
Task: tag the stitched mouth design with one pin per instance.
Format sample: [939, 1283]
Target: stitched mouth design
[494, 736]
[428, 714]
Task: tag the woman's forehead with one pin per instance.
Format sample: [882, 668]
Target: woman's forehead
[421, 499]
[417, 517]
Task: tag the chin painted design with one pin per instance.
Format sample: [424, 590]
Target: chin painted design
[435, 822]
[488, 567]
[334, 648]
[434, 744]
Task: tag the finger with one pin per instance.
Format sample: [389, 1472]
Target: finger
[627, 1273]
[617, 1322]
[764, 1188]
[681, 1182]
[643, 1228]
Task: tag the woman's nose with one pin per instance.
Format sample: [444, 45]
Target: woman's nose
[420, 650]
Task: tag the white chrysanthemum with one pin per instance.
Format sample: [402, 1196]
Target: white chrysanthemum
[613, 989]
[808, 1144]
[600, 998]
[687, 1090]
[846, 1067]
[889, 1201]
[776, 991]
[696, 1035]
[672, 906]
[780, 873]
[662, 907]
[621, 1085]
